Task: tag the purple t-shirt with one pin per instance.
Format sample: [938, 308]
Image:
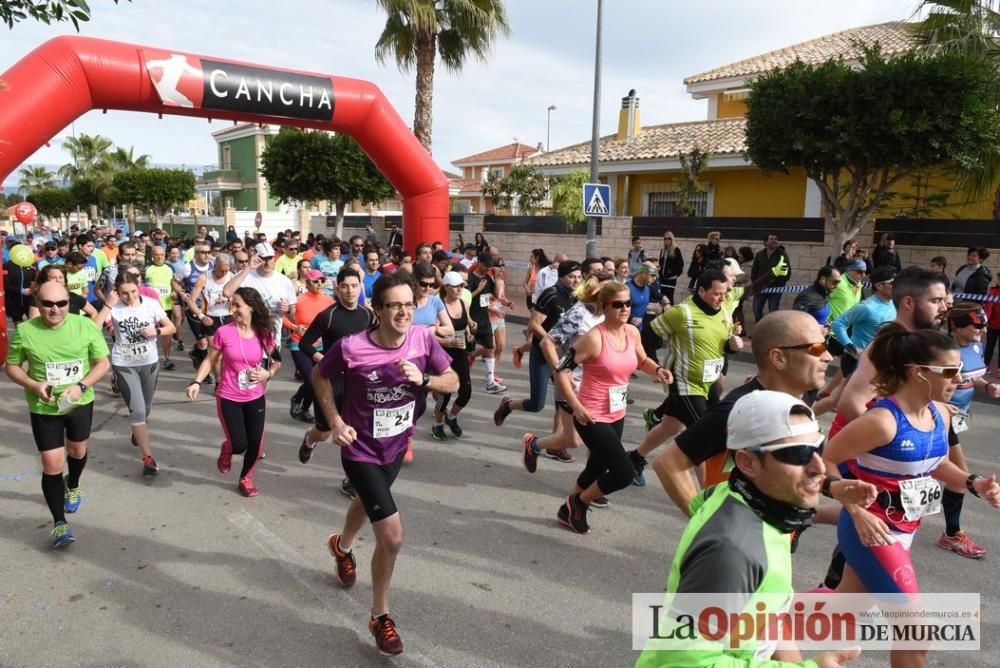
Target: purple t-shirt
[239, 356]
[378, 400]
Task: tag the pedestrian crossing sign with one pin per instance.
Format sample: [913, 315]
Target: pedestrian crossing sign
[596, 199]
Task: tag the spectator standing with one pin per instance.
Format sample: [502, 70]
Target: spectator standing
[940, 265]
[713, 246]
[395, 238]
[848, 250]
[636, 256]
[696, 267]
[885, 254]
[772, 259]
[547, 276]
[973, 277]
[992, 309]
[815, 300]
[671, 266]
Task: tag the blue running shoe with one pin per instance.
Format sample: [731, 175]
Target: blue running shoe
[638, 463]
[61, 535]
[73, 499]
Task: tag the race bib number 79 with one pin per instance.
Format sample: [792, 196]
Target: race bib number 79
[392, 421]
[64, 373]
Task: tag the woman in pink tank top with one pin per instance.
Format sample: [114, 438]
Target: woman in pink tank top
[609, 354]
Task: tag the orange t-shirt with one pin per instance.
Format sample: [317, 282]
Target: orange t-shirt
[307, 307]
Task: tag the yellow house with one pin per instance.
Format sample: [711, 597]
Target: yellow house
[641, 163]
[466, 190]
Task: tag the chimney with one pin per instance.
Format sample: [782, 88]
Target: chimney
[628, 117]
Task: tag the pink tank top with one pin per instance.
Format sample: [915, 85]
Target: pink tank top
[604, 386]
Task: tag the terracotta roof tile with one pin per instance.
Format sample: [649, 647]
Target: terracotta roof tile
[509, 153]
[894, 37]
[467, 185]
[656, 142]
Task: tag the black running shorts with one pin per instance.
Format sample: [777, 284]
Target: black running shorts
[686, 409]
[373, 483]
[52, 431]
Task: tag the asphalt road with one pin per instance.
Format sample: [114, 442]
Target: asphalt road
[182, 570]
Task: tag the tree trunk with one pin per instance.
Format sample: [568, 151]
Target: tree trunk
[423, 114]
[339, 230]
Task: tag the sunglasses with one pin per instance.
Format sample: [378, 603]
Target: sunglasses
[428, 286]
[317, 280]
[798, 454]
[943, 371]
[815, 349]
[620, 304]
[48, 303]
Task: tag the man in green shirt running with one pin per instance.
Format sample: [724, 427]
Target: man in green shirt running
[66, 356]
[160, 276]
[738, 545]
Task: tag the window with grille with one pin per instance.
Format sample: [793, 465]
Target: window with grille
[665, 204]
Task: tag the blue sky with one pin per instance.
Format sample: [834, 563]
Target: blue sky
[649, 45]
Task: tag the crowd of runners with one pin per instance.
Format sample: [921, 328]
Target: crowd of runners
[376, 335]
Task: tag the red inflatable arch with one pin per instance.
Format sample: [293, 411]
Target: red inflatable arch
[69, 76]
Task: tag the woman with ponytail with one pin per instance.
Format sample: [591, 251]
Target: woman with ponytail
[245, 348]
[901, 446]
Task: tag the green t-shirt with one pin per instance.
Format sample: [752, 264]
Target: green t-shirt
[102, 261]
[696, 345]
[60, 356]
[159, 278]
[286, 265]
[77, 282]
[844, 296]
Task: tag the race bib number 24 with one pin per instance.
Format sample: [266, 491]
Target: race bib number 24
[389, 422]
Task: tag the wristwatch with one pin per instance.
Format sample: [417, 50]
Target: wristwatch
[82, 385]
[427, 380]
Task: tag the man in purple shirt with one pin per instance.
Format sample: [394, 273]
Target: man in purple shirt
[387, 369]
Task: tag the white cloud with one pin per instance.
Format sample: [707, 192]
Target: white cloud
[649, 45]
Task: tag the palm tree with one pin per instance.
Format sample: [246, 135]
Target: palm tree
[34, 179]
[120, 160]
[88, 152]
[971, 27]
[417, 31]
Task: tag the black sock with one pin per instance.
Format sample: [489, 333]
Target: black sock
[836, 569]
[75, 469]
[952, 506]
[54, 492]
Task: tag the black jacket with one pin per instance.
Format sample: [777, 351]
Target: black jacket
[762, 265]
[671, 266]
[812, 300]
[978, 283]
[882, 256]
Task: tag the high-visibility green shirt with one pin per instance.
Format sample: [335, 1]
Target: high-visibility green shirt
[696, 345]
[844, 296]
[159, 278]
[726, 549]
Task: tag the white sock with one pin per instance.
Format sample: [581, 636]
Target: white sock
[490, 366]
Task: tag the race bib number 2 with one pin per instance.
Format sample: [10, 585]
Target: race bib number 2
[392, 421]
[617, 398]
[960, 423]
[64, 373]
[920, 496]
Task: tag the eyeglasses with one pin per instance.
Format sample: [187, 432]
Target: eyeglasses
[943, 371]
[48, 303]
[400, 306]
[202, 251]
[620, 304]
[428, 286]
[319, 281]
[798, 454]
[815, 349]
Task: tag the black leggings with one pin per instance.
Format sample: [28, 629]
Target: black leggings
[305, 365]
[460, 364]
[243, 423]
[608, 464]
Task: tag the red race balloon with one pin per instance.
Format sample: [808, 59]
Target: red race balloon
[25, 213]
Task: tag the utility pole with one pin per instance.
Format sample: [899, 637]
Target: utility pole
[595, 134]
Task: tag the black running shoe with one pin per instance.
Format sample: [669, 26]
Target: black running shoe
[305, 452]
[502, 411]
[168, 364]
[437, 433]
[576, 514]
[347, 489]
[452, 423]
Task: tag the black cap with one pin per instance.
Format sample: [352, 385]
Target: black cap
[882, 274]
[568, 267]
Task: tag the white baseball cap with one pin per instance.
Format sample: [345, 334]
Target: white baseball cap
[264, 249]
[762, 417]
[452, 278]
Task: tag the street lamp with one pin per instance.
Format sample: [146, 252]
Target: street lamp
[548, 127]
